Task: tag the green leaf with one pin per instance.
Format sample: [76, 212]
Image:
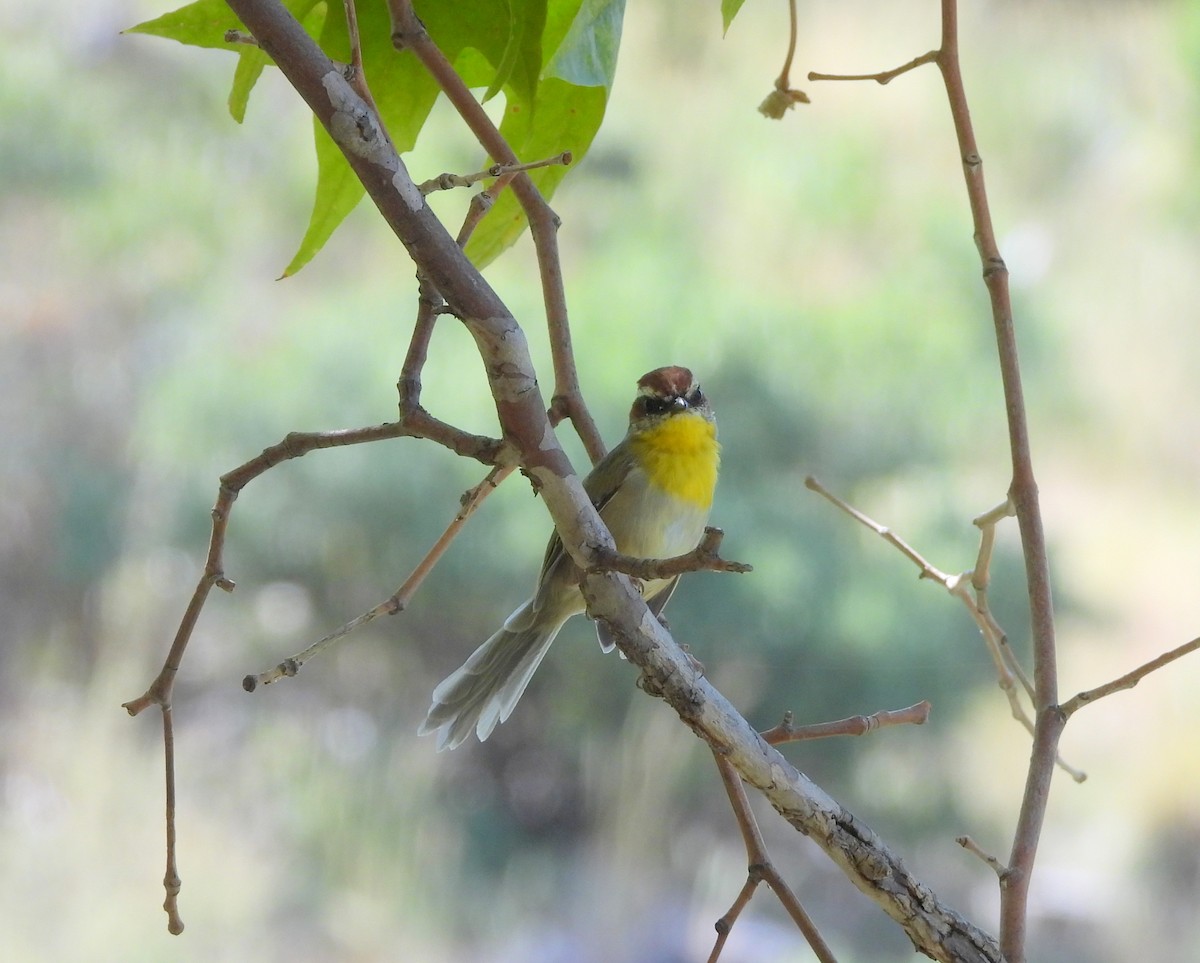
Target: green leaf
[338, 192]
[565, 117]
[729, 10]
[521, 64]
[580, 39]
[251, 62]
[199, 24]
[587, 56]
[482, 24]
[205, 23]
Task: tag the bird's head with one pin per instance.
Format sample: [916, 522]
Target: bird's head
[664, 393]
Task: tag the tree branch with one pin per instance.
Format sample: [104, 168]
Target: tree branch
[1008, 668]
[788, 731]
[760, 869]
[1023, 493]
[935, 929]
[884, 76]
[1129, 680]
[704, 557]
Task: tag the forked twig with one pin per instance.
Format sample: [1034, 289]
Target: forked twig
[294, 445]
[760, 870]
[449, 181]
[961, 587]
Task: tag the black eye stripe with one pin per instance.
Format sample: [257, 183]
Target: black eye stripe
[657, 406]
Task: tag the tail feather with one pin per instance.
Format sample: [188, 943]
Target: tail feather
[483, 691]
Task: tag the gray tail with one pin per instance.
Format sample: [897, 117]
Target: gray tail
[483, 691]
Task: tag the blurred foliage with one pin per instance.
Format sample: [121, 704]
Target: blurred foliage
[818, 273]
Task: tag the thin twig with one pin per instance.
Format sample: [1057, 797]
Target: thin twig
[240, 36]
[293, 445]
[1022, 491]
[883, 76]
[761, 869]
[972, 847]
[788, 731]
[1128, 680]
[171, 882]
[354, 72]
[724, 926]
[1008, 669]
[449, 181]
[927, 570]
[398, 601]
[704, 557]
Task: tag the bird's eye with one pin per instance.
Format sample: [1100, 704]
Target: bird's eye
[657, 406]
[696, 398]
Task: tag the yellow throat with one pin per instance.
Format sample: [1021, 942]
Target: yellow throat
[681, 456]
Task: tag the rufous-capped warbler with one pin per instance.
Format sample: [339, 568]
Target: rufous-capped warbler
[653, 491]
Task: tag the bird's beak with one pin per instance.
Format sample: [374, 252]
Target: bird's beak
[679, 404]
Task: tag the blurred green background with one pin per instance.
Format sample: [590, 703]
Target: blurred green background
[818, 273]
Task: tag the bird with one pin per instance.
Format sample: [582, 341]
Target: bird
[654, 491]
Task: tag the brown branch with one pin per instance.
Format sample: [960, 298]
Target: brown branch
[972, 847]
[1128, 680]
[761, 869]
[567, 399]
[171, 881]
[417, 424]
[449, 181]
[788, 731]
[704, 557]
[1023, 493]
[883, 76]
[294, 445]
